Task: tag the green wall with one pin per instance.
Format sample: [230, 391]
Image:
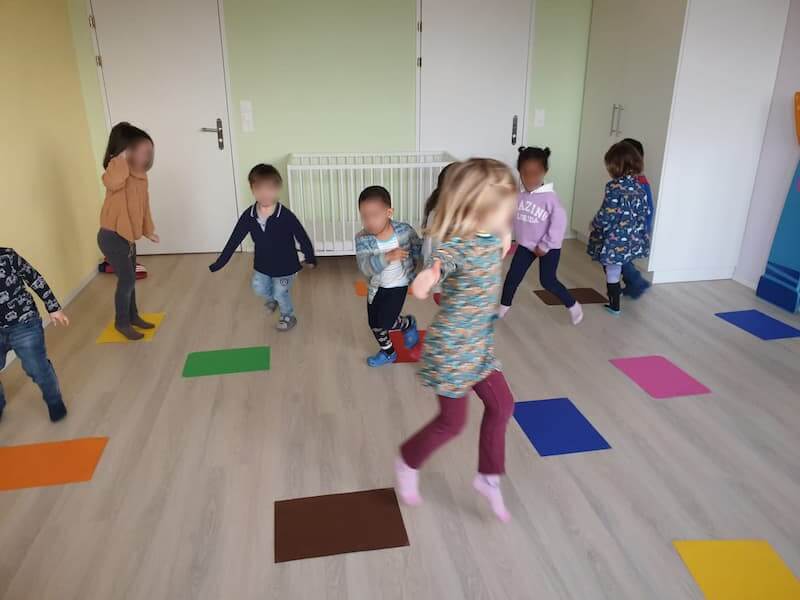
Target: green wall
[558, 67]
[341, 76]
[322, 76]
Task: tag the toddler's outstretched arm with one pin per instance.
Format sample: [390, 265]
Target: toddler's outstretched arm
[237, 237]
[426, 279]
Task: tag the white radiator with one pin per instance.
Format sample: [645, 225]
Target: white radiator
[324, 188]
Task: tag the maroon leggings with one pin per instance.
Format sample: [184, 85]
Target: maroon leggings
[498, 405]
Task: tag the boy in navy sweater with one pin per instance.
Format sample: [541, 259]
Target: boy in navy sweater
[274, 230]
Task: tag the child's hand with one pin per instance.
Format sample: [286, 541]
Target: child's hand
[396, 254]
[506, 239]
[539, 252]
[153, 237]
[427, 278]
[59, 318]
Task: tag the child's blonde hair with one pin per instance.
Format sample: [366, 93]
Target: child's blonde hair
[471, 190]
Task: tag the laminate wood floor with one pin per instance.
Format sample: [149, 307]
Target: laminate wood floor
[181, 504]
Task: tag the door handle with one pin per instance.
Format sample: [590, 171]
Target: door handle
[612, 130]
[218, 131]
[514, 131]
[620, 108]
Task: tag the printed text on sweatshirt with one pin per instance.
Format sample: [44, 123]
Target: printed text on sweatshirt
[540, 219]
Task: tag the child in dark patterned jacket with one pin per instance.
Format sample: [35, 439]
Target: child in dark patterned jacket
[21, 327]
[619, 229]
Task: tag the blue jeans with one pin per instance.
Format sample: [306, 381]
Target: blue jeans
[631, 275]
[27, 341]
[275, 289]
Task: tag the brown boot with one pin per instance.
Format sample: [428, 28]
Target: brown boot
[129, 332]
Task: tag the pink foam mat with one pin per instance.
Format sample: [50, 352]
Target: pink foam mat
[659, 377]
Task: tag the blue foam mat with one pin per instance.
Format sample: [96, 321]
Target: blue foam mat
[556, 426]
[760, 325]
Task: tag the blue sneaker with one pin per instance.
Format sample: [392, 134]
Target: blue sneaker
[411, 335]
[381, 358]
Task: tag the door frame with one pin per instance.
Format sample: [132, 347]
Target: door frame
[226, 71]
[523, 129]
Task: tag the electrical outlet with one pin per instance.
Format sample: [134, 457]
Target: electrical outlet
[246, 112]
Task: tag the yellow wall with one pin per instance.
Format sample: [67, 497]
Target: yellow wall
[49, 195]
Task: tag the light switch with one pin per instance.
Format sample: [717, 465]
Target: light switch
[538, 117]
[246, 112]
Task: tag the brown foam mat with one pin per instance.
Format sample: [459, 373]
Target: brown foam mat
[338, 524]
[582, 295]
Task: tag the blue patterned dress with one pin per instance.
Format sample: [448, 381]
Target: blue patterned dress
[620, 231]
[459, 344]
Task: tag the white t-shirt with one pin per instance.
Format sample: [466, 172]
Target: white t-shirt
[393, 275]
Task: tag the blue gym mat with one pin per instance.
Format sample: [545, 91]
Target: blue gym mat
[556, 426]
[760, 325]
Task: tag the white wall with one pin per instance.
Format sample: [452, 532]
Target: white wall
[779, 157]
[723, 92]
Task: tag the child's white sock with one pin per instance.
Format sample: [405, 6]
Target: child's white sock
[407, 482]
[576, 313]
[501, 312]
[489, 487]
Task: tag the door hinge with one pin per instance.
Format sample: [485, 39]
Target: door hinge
[419, 62]
[91, 22]
[419, 26]
[98, 60]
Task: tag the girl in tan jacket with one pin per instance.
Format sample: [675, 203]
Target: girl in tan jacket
[125, 218]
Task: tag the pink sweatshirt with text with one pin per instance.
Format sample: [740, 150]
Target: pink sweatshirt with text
[541, 220]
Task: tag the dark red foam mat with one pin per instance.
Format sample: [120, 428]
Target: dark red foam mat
[404, 355]
[338, 524]
[582, 295]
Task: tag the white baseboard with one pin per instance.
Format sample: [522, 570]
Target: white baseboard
[686, 275]
[10, 357]
[746, 282]
[582, 237]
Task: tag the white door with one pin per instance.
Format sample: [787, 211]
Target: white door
[650, 71]
[602, 106]
[473, 76]
[163, 71]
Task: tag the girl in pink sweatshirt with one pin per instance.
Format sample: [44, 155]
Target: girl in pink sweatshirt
[539, 228]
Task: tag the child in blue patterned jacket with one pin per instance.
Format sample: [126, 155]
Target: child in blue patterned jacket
[619, 229]
[387, 252]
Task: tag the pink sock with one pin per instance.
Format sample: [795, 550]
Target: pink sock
[489, 487]
[407, 482]
[503, 310]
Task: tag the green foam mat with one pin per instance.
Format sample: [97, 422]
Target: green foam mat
[222, 362]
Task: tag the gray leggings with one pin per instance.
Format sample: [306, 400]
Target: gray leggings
[122, 256]
[613, 273]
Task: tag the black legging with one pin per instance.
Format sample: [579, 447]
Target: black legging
[122, 256]
[548, 264]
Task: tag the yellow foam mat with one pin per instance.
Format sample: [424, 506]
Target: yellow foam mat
[112, 336]
[738, 570]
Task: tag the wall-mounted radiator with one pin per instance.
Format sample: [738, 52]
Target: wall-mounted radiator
[324, 189]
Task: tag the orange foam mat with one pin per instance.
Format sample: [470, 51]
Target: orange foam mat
[361, 288]
[50, 463]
